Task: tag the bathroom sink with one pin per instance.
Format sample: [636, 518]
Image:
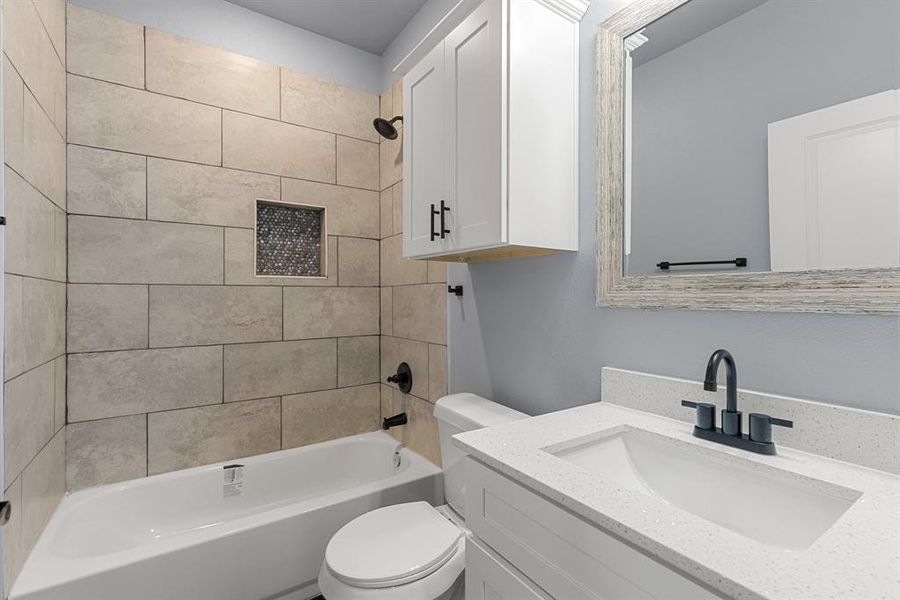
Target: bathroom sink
[763, 503]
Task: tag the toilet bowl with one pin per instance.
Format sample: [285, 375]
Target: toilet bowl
[413, 551]
[410, 551]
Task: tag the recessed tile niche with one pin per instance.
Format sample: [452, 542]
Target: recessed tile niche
[290, 240]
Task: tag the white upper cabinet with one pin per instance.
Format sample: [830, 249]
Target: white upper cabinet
[490, 135]
[424, 103]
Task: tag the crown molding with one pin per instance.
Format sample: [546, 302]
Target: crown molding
[571, 9]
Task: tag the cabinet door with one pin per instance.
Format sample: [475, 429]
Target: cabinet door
[489, 577]
[473, 59]
[566, 556]
[424, 154]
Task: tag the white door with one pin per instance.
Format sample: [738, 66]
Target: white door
[473, 59]
[423, 138]
[834, 186]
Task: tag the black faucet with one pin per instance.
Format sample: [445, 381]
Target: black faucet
[398, 419]
[760, 438]
[731, 416]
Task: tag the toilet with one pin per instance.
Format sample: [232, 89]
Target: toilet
[413, 551]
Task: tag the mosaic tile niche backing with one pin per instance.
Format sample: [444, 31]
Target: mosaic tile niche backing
[289, 240]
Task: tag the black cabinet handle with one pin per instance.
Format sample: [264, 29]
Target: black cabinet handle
[444, 210]
[433, 213]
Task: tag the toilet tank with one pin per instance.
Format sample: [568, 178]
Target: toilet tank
[464, 412]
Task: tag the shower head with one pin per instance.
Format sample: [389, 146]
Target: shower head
[386, 128]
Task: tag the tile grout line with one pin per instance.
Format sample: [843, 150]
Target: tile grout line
[223, 108]
[223, 373]
[194, 345]
[229, 403]
[34, 368]
[324, 286]
[228, 167]
[38, 278]
[224, 282]
[144, 61]
[50, 38]
[27, 88]
[31, 184]
[148, 316]
[38, 453]
[146, 444]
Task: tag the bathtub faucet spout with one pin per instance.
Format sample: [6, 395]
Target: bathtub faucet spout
[398, 419]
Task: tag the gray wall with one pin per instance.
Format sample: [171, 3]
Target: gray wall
[527, 333]
[700, 183]
[225, 25]
[430, 15]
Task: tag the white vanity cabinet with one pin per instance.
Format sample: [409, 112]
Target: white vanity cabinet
[544, 551]
[489, 577]
[490, 131]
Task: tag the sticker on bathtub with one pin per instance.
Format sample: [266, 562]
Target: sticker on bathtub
[232, 480]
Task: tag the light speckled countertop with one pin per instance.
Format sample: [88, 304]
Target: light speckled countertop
[858, 558]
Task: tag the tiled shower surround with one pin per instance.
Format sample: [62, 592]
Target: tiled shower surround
[413, 307]
[34, 177]
[178, 354]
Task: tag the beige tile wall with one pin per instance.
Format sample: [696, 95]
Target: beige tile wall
[413, 307]
[34, 176]
[178, 354]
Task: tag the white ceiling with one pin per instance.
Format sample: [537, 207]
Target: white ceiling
[369, 25]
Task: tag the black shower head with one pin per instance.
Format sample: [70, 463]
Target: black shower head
[386, 128]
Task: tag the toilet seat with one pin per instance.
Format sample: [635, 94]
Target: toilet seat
[446, 583]
[392, 546]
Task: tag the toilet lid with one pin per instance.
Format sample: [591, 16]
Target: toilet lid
[392, 545]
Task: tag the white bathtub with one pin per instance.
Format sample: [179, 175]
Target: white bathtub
[177, 537]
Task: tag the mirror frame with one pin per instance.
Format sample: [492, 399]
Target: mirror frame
[849, 291]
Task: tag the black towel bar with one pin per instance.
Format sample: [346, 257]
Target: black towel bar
[738, 262]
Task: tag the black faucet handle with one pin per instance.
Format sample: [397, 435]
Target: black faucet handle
[403, 378]
[761, 427]
[705, 415]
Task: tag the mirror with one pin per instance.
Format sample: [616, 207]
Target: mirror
[762, 130]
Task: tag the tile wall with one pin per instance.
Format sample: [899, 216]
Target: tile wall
[178, 354]
[138, 339]
[34, 179]
[413, 307]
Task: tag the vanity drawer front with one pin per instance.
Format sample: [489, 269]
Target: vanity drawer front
[489, 577]
[566, 556]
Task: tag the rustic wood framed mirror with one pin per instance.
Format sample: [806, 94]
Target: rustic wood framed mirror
[740, 167]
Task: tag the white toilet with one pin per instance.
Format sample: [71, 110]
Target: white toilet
[413, 551]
